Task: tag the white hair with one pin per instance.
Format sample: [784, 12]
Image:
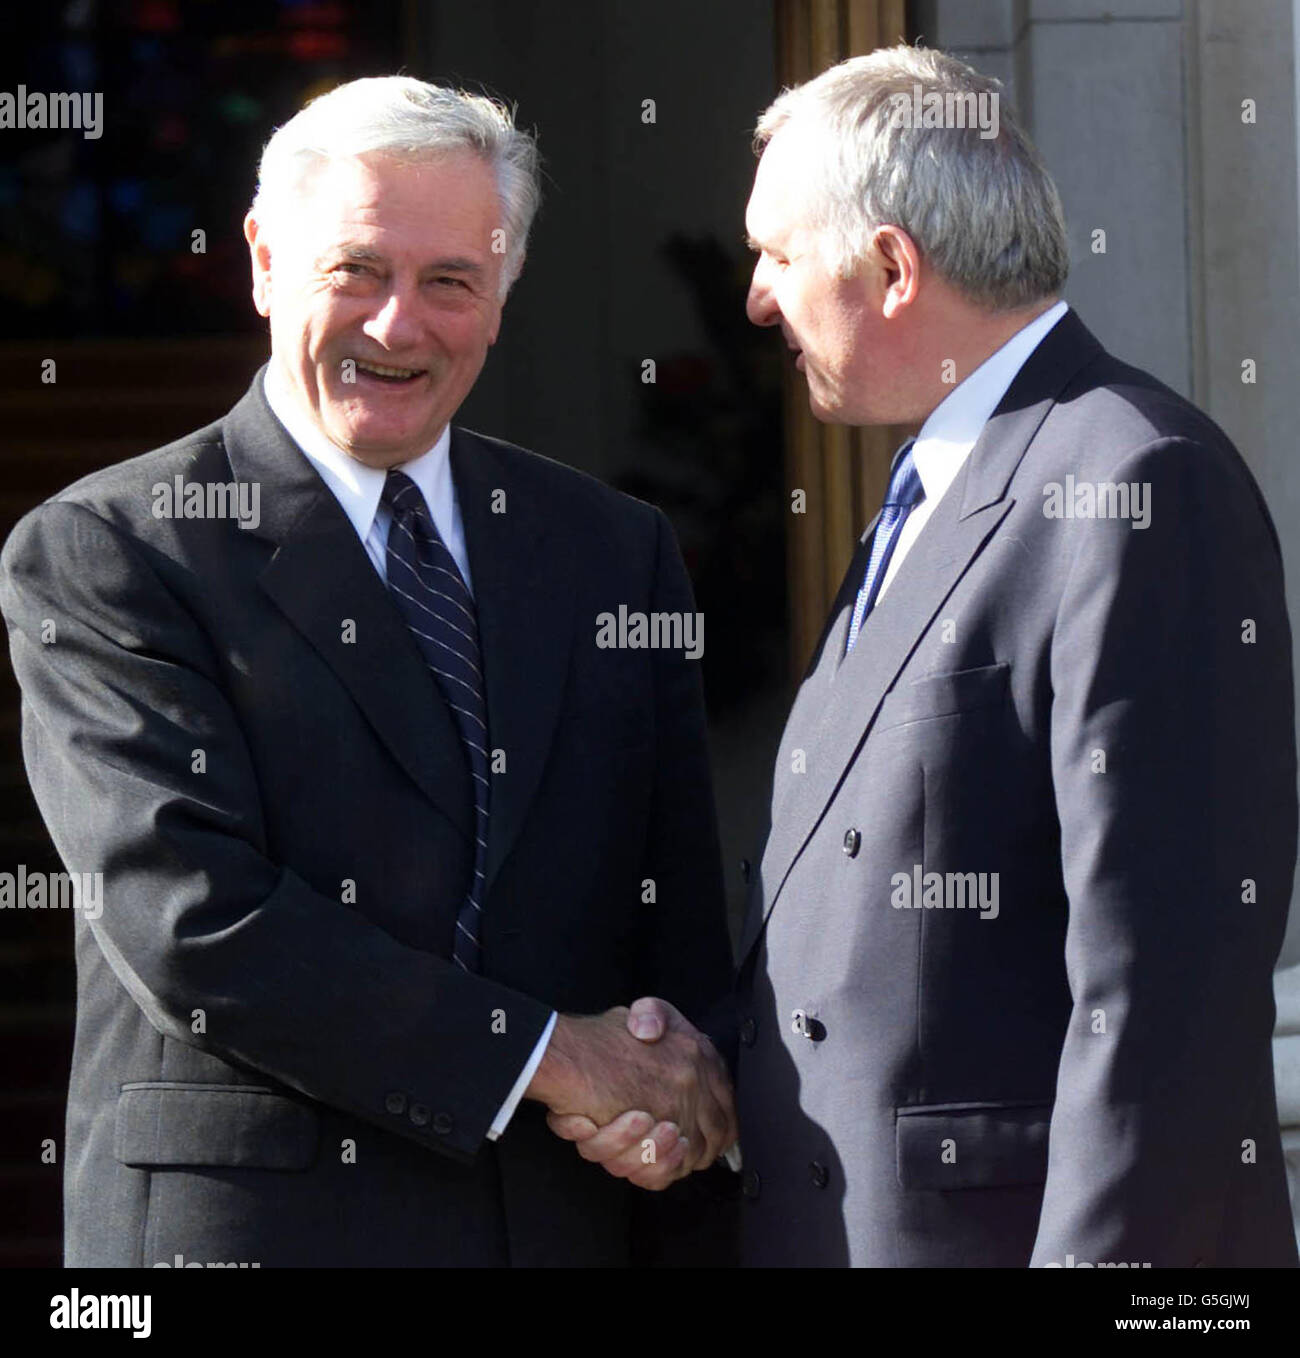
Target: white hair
[982, 209]
[398, 115]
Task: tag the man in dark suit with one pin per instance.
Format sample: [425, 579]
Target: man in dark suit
[387, 836]
[1005, 980]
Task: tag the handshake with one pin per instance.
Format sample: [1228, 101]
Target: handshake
[641, 1091]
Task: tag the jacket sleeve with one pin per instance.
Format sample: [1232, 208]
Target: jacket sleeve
[1173, 761]
[142, 773]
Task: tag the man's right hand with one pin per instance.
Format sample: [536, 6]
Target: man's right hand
[674, 1090]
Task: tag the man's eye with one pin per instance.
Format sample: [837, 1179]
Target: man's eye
[350, 267]
[449, 280]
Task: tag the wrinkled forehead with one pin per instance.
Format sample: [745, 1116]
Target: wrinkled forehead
[382, 178]
[426, 209]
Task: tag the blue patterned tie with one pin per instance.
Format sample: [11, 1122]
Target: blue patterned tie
[431, 595]
[905, 490]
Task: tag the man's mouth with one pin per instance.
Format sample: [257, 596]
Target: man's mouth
[396, 377]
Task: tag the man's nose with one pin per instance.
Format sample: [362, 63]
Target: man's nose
[396, 323]
[760, 304]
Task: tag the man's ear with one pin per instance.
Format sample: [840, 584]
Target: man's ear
[259, 250]
[899, 262]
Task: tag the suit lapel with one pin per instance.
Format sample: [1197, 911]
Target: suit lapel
[814, 691]
[319, 577]
[841, 696]
[524, 596]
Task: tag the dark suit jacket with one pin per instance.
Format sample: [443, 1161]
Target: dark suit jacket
[1082, 708]
[275, 1060]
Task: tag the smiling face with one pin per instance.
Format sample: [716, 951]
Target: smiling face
[829, 322]
[388, 263]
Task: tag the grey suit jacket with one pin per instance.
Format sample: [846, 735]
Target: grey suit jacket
[1005, 982]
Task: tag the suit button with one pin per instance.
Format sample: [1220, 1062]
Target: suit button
[751, 1184]
[820, 1174]
[419, 1115]
[749, 1032]
[442, 1123]
[395, 1103]
[746, 870]
[852, 843]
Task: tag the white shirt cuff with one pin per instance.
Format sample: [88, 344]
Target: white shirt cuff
[507, 1109]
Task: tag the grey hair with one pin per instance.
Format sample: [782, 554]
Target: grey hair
[398, 115]
[983, 210]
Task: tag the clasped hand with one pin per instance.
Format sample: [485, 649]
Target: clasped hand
[640, 1092]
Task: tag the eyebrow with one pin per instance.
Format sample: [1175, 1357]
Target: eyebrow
[456, 264]
[359, 254]
[354, 254]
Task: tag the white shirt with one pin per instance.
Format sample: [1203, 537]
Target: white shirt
[947, 436]
[358, 488]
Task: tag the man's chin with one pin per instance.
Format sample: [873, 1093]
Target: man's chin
[838, 412]
[375, 444]
[823, 413]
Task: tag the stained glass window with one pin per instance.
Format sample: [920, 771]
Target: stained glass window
[133, 227]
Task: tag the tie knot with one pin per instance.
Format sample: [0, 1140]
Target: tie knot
[905, 487]
[401, 494]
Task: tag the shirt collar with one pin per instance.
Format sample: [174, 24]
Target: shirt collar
[357, 487]
[954, 425]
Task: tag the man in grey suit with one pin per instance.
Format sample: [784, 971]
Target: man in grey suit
[1004, 989]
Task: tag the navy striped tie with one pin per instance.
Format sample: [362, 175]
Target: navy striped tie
[431, 595]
